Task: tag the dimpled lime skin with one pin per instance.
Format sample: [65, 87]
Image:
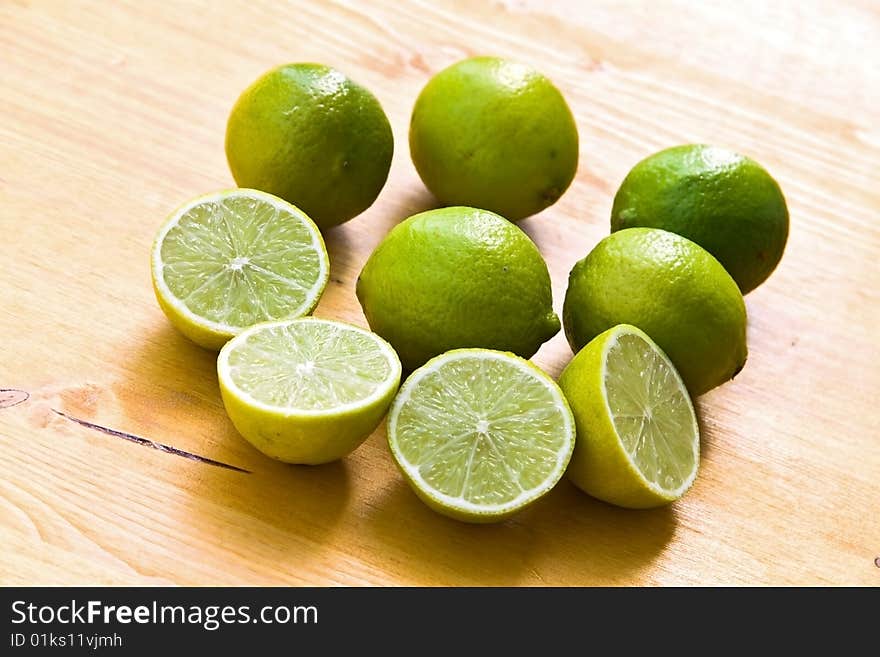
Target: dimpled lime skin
[725, 202]
[309, 134]
[494, 134]
[672, 289]
[304, 439]
[454, 278]
[292, 430]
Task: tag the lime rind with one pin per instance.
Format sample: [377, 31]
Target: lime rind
[651, 448]
[341, 365]
[201, 253]
[497, 461]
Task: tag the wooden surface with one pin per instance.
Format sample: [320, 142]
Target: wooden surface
[113, 113]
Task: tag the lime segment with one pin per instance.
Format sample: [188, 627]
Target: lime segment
[310, 366]
[307, 390]
[638, 442]
[652, 413]
[480, 434]
[229, 260]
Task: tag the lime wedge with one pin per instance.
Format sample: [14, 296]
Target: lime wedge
[480, 434]
[638, 444]
[307, 390]
[235, 258]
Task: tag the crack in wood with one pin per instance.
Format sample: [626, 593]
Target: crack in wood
[146, 442]
[11, 396]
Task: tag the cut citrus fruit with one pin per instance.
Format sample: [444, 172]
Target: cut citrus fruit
[307, 390]
[480, 434]
[228, 260]
[638, 443]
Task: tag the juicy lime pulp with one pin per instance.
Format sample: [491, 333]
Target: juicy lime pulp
[480, 433]
[652, 413]
[308, 367]
[229, 260]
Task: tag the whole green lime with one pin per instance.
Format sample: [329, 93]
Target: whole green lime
[725, 202]
[494, 134]
[457, 277]
[672, 289]
[309, 134]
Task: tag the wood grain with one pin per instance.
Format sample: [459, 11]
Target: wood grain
[113, 113]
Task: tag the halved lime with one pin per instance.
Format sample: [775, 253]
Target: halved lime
[480, 434]
[229, 260]
[638, 443]
[307, 390]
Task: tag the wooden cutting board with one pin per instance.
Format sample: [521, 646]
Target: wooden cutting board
[112, 114]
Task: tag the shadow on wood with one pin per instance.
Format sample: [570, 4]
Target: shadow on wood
[348, 239]
[618, 542]
[302, 503]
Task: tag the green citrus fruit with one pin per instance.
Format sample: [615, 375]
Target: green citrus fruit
[480, 434]
[672, 289]
[494, 134]
[638, 443]
[228, 260]
[307, 390]
[309, 134]
[457, 277]
[723, 201]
